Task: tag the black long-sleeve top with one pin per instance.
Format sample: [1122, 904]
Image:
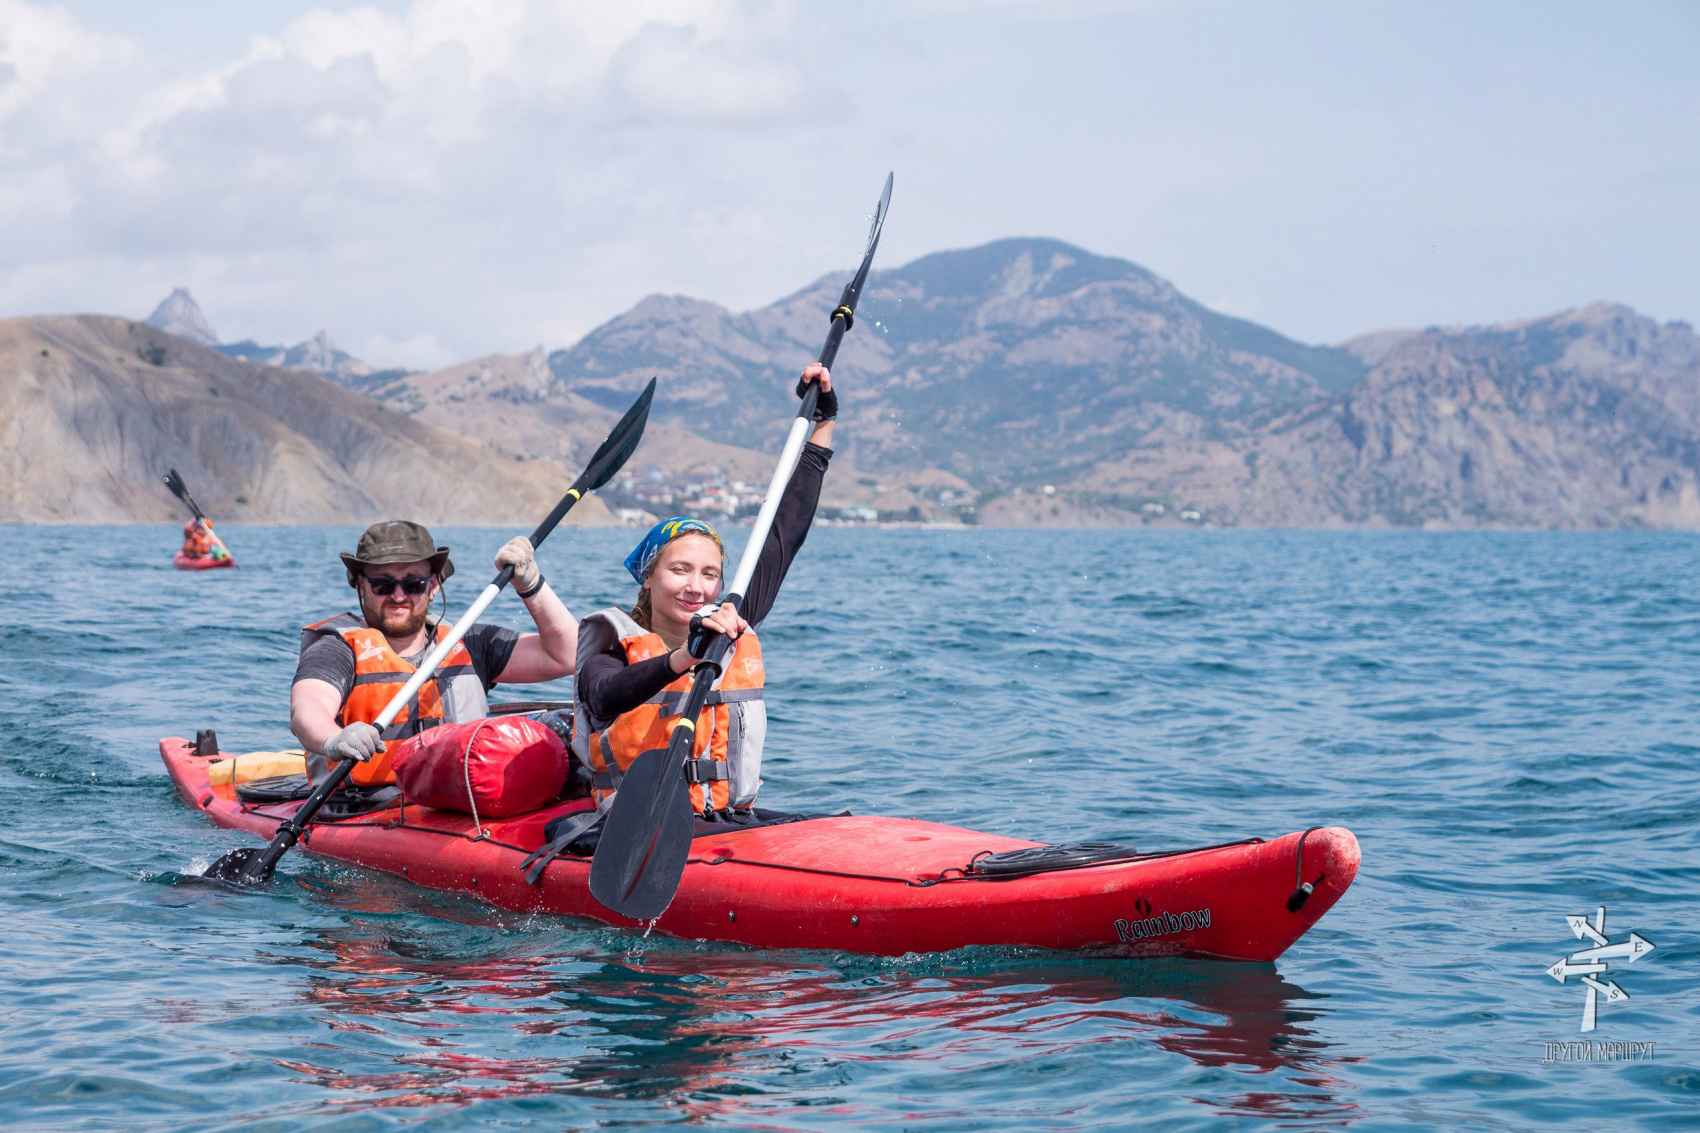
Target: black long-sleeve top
[610, 686]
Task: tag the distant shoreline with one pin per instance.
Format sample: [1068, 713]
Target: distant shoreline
[951, 527]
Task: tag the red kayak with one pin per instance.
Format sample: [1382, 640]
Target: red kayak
[878, 885]
[207, 562]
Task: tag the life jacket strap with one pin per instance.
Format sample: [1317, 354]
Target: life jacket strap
[607, 779]
[696, 771]
[672, 703]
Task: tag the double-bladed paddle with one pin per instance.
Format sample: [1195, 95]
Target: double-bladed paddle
[249, 866]
[181, 491]
[647, 836]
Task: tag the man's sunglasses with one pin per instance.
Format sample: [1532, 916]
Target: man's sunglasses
[413, 585]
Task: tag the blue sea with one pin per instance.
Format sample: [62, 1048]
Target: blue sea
[1506, 720]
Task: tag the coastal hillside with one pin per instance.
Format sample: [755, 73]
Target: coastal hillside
[511, 402]
[1589, 418]
[93, 410]
[1028, 382]
[1023, 383]
[1019, 361]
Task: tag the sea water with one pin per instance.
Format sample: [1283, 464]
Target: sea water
[1507, 721]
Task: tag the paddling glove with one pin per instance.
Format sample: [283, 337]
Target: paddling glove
[517, 553]
[358, 741]
[826, 404]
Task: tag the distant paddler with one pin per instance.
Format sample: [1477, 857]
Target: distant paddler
[200, 541]
[351, 665]
[202, 548]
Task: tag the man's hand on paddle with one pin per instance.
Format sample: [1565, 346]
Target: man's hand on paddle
[517, 553]
[358, 742]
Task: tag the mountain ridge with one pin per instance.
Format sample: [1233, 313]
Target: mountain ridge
[1030, 382]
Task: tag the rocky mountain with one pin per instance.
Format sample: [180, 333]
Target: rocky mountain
[1031, 382]
[1588, 418]
[93, 410]
[1020, 361]
[1026, 382]
[317, 355]
[510, 401]
[180, 315]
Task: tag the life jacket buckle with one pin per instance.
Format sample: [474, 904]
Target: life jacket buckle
[706, 771]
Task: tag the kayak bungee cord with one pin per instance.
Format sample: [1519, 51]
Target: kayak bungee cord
[1070, 857]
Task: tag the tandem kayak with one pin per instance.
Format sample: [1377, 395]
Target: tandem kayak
[206, 562]
[885, 886]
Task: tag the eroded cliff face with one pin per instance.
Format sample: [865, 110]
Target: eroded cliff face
[93, 410]
[1590, 418]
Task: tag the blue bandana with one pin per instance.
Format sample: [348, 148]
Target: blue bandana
[663, 533]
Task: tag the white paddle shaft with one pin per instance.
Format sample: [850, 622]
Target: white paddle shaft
[788, 457]
[435, 658]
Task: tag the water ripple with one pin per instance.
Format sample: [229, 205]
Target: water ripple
[1506, 721]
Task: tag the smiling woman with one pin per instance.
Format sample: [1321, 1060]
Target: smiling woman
[634, 665]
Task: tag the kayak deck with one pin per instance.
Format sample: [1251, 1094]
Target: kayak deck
[863, 884]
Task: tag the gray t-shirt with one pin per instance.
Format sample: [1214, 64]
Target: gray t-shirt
[330, 659]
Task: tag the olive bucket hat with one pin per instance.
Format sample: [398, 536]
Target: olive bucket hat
[396, 541]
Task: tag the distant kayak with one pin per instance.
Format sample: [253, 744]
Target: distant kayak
[205, 562]
[878, 885]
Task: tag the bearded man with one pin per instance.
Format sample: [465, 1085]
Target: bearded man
[350, 666]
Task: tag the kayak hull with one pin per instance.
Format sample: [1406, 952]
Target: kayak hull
[887, 886]
[184, 562]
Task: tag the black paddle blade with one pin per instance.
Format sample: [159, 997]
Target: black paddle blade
[879, 215]
[639, 861]
[181, 491]
[853, 290]
[238, 867]
[621, 443]
[608, 460]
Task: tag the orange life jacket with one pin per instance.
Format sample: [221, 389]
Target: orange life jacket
[197, 540]
[453, 694]
[725, 770]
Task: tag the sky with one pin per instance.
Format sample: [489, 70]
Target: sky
[438, 179]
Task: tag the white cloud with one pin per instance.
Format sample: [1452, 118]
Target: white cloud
[472, 175]
[375, 150]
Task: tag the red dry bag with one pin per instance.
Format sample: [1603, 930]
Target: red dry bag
[494, 768]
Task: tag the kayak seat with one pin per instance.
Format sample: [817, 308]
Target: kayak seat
[350, 802]
[274, 789]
